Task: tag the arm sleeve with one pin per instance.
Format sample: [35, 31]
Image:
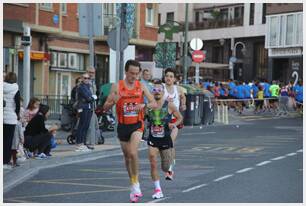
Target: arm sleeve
[17, 102]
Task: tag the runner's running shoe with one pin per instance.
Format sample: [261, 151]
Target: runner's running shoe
[169, 175]
[133, 197]
[157, 194]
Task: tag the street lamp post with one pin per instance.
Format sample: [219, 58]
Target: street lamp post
[233, 58]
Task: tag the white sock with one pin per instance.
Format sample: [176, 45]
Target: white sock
[157, 184]
[136, 188]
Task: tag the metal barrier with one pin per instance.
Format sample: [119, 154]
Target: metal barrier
[222, 114]
[54, 102]
[222, 109]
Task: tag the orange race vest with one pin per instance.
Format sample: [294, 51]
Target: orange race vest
[128, 99]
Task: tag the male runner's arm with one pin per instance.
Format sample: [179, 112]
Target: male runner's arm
[152, 103]
[179, 118]
[182, 99]
[112, 98]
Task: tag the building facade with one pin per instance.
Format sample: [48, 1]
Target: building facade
[227, 30]
[284, 40]
[58, 53]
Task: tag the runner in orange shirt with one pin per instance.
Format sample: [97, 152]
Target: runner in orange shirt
[128, 95]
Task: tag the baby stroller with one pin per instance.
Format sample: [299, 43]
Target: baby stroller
[71, 139]
[68, 117]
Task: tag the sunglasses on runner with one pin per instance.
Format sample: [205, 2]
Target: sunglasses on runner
[157, 90]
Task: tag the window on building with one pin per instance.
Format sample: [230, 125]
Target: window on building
[62, 60]
[81, 62]
[299, 29]
[264, 13]
[252, 10]
[281, 30]
[47, 6]
[159, 20]
[64, 9]
[274, 29]
[108, 9]
[289, 30]
[73, 61]
[170, 17]
[53, 62]
[216, 54]
[149, 15]
[197, 17]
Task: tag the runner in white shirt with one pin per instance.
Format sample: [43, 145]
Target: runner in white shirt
[175, 94]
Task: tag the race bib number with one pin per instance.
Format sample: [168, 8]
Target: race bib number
[129, 110]
[157, 131]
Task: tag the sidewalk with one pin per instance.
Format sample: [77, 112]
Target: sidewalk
[63, 154]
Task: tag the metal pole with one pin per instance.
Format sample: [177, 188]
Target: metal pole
[185, 43]
[197, 72]
[117, 52]
[90, 35]
[123, 16]
[26, 67]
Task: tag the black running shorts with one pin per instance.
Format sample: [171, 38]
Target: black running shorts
[125, 130]
[160, 143]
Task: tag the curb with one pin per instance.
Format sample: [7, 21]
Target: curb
[30, 169]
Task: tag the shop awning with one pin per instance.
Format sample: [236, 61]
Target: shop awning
[207, 65]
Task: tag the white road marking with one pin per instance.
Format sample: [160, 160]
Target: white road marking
[245, 170]
[198, 133]
[263, 163]
[158, 200]
[291, 154]
[300, 150]
[196, 187]
[222, 178]
[279, 158]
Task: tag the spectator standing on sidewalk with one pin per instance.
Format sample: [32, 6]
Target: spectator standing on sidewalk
[128, 95]
[18, 135]
[298, 91]
[91, 137]
[73, 95]
[274, 90]
[283, 100]
[11, 96]
[85, 109]
[159, 140]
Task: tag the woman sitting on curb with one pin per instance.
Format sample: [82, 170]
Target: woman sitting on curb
[37, 137]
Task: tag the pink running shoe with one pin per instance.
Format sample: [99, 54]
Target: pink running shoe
[133, 197]
[157, 194]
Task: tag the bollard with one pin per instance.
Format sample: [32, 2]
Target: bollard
[226, 114]
[218, 113]
[223, 112]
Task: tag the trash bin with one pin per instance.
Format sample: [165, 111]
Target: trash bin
[198, 109]
[190, 109]
[194, 107]
[208, 108]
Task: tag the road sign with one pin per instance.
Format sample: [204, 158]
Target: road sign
[90, 14]
[196, 44]
[198, 56]
[111, 39]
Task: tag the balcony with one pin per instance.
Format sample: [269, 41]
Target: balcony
[216, 24]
